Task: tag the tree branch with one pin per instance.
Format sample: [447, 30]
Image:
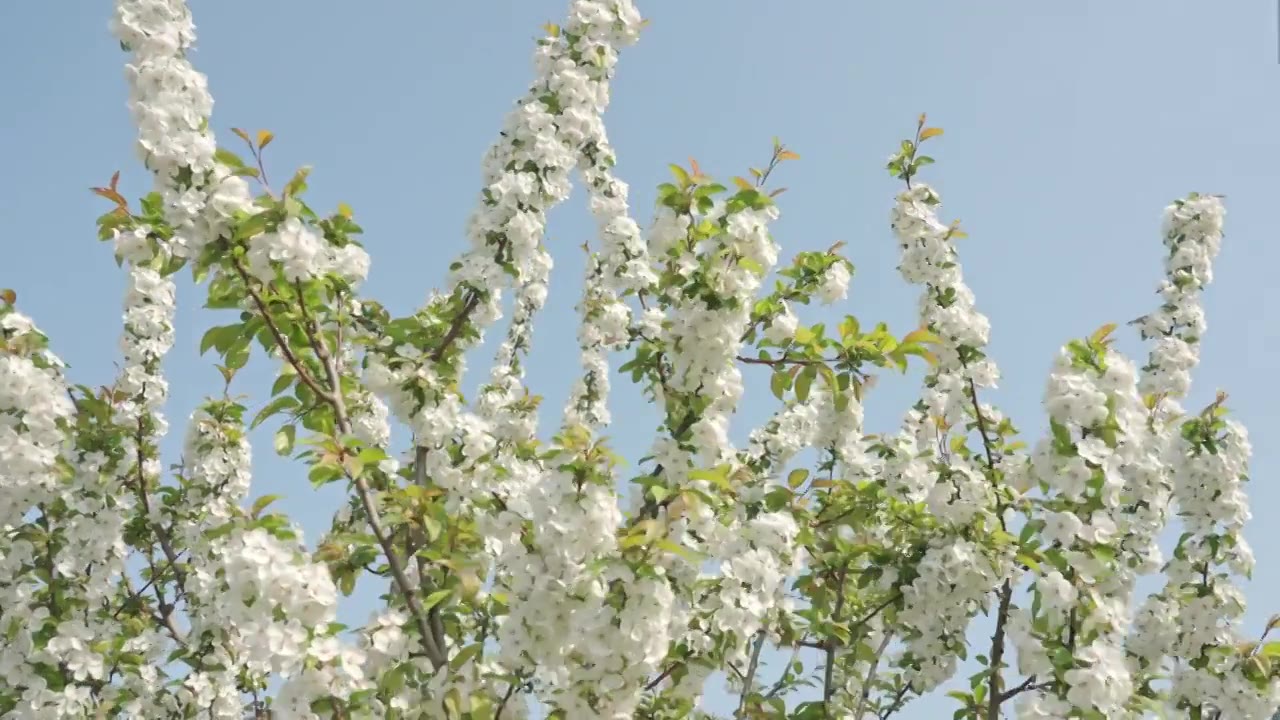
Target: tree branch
[435, 652]
[994, 696]
[281, 343]
[750, 679]
[871, 675]
[829, 669]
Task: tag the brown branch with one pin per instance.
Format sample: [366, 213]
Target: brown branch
[165, 615]
[982, 430]
[871, 675]
[281, 343]
[455, 327]
[750, 679]
[994, 696]
[312, 329]
[1026, 685]
[434, 649]
[165, 543]
[786, 670]
[662, 676]
[435, 653]
[829, 670]
[502, 705]
[785, 360]
[898, 701]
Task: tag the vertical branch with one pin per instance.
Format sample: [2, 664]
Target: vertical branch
[828, 672]
[994, 696]
[871, 675]
[750, 679]
[333, 395]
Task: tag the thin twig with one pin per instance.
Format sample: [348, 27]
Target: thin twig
[871, 674]
[281, 343]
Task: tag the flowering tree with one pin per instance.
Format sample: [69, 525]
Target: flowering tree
[520, 564]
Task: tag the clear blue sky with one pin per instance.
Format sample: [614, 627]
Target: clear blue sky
[1068, 128]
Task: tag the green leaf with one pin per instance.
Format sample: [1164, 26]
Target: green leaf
[680, 550]
[633, 539]
[779, 384]
[922, 335]
[347, 583]
[324, 473]
[297, 183]
[255, 224]
[752, 266]
[220, 337]
[432, 527]
[436, 598]
[285, 439]
[282, 402]
[842, 401]
[210, 337]
[283, 382]
[226, 372]
[797, 477]
[804, 381]
[464, 656]
[1101, 334]
[228, 158]
[237, 355]
[261, 504]
[452, 703]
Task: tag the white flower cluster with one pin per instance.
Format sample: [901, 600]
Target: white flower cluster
[1196, 619]
[597, 614]
[301, 254]
[957, 577]
[591, 655]
[257, 606]
[946, 309]
[1193, 234]
[588, 652]
[947, 304]
[954, 581]
[1197, 614]
[1099, 438]
[149, 307]
[720, 252]
[793, 427]
[34, 410]
[604, 326]
[704, 339]
[555, 128]
[526, 173]
[759, 555]
[170, 104]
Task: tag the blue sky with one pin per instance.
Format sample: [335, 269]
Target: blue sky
[1068, 128]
